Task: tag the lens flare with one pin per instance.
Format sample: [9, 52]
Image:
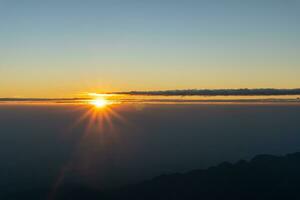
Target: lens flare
[98, 116]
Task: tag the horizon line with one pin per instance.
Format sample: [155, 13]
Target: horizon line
[176, 92]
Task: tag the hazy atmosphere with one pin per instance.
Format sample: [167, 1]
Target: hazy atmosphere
[149, 99]
[38, 142]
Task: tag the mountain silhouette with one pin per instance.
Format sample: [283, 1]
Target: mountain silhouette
[263, 177]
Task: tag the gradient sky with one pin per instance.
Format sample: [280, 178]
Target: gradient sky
[62, 48]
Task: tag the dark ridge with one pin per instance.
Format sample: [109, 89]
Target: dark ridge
[218, 92]
[265, 177]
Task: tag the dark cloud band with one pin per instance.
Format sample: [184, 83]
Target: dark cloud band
[217, 92]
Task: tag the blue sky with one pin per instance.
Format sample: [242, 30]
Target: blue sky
[62, 48]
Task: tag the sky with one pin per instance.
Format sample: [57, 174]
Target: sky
[65, 48]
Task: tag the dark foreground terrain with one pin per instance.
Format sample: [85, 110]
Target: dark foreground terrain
[263, 177]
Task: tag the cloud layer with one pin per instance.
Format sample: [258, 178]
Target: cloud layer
[217, 92]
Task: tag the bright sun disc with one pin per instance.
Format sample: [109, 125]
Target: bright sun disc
[99, 103]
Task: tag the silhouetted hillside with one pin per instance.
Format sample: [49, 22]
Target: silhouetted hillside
[264, 177]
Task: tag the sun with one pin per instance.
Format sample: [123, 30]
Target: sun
[99, 103]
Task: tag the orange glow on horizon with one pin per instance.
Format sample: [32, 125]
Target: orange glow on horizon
[99, 115]
[99, 103]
